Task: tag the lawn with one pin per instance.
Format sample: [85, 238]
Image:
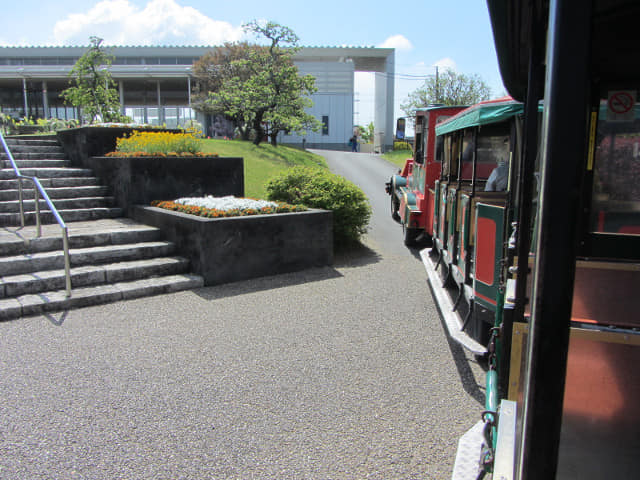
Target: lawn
[262, 162]
[398, 157]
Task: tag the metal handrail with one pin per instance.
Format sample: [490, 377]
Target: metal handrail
[40, 191]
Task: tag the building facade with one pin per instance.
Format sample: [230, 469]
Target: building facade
[155, 85]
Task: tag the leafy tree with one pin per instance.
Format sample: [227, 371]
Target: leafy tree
[449, 88]
[366, 132]
[256, 85]
[225, 66]
[94, 90]
[289, 113]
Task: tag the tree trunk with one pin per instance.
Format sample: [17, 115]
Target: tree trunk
[244, 133]
[274, 139]
[257, 128]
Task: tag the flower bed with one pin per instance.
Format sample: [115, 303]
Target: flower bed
[228, 206]
[169, 154]
[157, 144]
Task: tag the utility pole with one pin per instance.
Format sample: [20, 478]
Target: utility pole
[437, 87]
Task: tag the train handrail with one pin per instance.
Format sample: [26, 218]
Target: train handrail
[40, 192]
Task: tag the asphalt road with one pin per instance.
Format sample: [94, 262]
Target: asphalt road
[341, 372]
[370, 172]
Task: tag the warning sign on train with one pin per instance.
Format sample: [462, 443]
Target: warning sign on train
[620, 106]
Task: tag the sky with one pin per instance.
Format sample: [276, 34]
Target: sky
[425, 33]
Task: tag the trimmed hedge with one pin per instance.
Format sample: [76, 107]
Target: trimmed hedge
[321, 189]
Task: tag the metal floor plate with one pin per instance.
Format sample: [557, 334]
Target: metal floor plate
[467, 465]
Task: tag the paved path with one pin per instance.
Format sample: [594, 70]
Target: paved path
[341, 372]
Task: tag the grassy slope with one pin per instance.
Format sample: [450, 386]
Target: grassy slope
[398, 157]
[262, 162]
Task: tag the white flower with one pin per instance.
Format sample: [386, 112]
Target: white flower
[225, 203]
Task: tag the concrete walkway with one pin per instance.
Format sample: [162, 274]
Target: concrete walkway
[332, 373]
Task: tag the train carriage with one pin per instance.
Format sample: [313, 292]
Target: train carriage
[479, 154]
[412, 189]
[548, 265]
[563, 387]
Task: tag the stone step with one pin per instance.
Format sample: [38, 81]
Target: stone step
[9, 174]
[35, 304]
[51, 182]
[62, 192]
[90, 275]
[13, 206]
[24, 156]
[47, 146]
[44, 162]
[54, 260]
[46, 217]
[81, 235]
[39, 140]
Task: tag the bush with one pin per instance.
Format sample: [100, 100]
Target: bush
[402, 146]
[321, 189]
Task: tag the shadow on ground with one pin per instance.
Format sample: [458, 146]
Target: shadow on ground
[460, 357]
[354, 256]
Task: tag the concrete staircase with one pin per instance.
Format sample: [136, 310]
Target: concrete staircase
[112, 258]
[76, 193]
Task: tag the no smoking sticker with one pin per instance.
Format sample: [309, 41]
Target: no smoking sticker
[620, 106]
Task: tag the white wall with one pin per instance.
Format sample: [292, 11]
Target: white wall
[333, 99]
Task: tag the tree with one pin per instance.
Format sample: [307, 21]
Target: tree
[367, 132]
[448, 88]
[289, 113]
[94, 90]
[225, 66]
[258, 85]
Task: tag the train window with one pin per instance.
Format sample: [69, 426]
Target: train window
[425, 138]
[467, 155]
[616, 166]
[455, 154]
[439, 148]
[493, 148]
[447, 155]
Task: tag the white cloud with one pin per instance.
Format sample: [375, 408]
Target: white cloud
[399, 42]
[160, 22]
[446, 64]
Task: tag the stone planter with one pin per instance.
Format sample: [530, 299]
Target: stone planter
[226, 250]
[140, 180]
[82, 143]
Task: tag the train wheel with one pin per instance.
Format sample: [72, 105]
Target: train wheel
[410, 236]
[395, 206]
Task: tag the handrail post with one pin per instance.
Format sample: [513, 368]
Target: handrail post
[20, 202]
[67, 260]
[36, 197]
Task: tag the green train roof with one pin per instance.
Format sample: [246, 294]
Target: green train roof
[483, 113]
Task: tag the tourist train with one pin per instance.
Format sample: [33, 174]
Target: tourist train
[529, 209]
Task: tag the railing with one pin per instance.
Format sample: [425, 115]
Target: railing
[40, 192]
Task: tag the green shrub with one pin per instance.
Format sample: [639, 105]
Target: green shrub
[321, 189]
[402, 146]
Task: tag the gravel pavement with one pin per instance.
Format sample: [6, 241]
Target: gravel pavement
[340, 372]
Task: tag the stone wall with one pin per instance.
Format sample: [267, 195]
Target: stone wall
[140, 180]
[226, 250]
